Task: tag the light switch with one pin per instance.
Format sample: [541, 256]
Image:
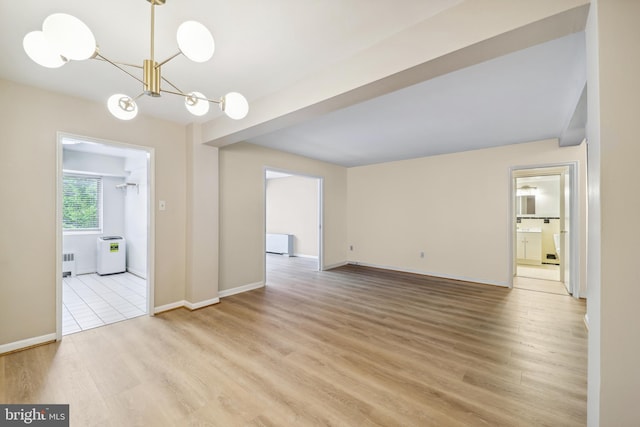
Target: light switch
[162, 205]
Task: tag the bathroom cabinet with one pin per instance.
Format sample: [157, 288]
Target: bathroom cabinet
[529, 247]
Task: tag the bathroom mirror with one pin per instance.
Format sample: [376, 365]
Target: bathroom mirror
[526, 205]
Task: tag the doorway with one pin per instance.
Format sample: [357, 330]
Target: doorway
[104, 224]
[543, 201]
[293, 222]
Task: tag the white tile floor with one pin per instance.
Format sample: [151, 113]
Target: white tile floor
[544, 271]
[89, 300]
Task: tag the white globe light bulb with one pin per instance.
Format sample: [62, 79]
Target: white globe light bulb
[41, 51]
[195, 41]
[122, 106]
[196, 103]
[70, 36]
[235, 105]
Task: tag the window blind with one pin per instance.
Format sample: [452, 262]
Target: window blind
[81, 205]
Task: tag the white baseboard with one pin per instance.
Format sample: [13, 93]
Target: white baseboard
[240, 289]
[186, 304]
[428, 273]
[200, 304]
[340, 264]
[29, 342]
[167, 307]
[140, 274]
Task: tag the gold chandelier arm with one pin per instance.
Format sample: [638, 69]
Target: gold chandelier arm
[115, 64]
[99, 57]
[173, 86]
[197, 97]
[120, 63]
[167, 60]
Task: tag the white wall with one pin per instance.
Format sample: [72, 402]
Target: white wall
[202, 221]
[292, 208]
[242, 206]
[454, 208]
[614, 230]
[29, 133]
[136, 214]
[548, 194]
[124, 210]
[594, 230]
[548, 198]
[91, 162]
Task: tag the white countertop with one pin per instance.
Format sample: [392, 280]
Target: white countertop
[530, 230]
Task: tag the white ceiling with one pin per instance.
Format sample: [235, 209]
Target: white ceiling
[525, 96]
[262, 47]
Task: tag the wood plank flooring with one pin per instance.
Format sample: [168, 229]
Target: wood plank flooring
[352, 346]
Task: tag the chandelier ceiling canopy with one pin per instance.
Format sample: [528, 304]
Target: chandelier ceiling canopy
[65, 38]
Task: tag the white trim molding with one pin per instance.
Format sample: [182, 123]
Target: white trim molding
[137, 273]
[340, 264]
[29, 342]
[438, 275]
[196, 305]
[186, 304]
[586, 320]
[306, 256]
[167, 307]
[240, 289]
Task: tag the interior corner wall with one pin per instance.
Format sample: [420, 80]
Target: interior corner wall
[136, 215]
[292, 208]
[202, 220]
[242, 209]
[454, 208]
[614, 336]
[594, 230]
[28, 144]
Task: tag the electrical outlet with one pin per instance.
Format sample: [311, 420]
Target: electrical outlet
[421, 254]
[351, 247]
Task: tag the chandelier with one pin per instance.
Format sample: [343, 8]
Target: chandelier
[65, 38]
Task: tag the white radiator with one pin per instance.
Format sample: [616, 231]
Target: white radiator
[69, 264]
[280, 244]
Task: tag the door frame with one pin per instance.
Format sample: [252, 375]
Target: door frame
[60, 136]
[320, 214]
[572, 170]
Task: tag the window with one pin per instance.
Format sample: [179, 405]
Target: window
[82, 203]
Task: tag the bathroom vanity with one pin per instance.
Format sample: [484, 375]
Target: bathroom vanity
[529, 246]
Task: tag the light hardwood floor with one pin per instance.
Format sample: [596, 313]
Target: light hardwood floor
[353, 346]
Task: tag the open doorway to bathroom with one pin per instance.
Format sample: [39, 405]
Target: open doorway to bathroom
[293, 232]
[542, 220]
[104, 200]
